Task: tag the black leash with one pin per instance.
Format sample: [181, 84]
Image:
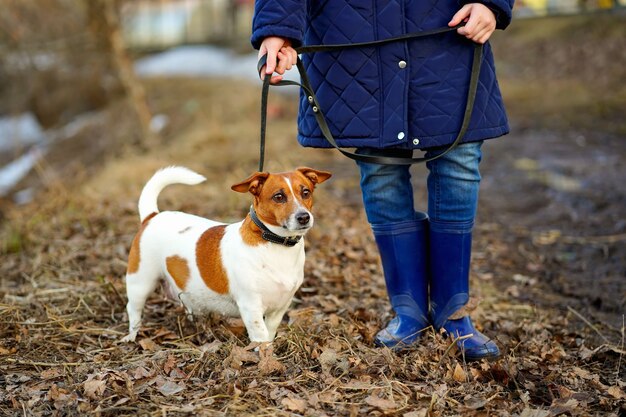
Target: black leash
[321, 120]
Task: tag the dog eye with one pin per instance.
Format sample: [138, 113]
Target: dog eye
[279, 198]
[306, 193]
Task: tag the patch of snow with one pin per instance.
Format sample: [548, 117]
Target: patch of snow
[203, 61]
[13, 172]
[18, 131]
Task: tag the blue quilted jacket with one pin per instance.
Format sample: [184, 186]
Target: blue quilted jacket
[404, 95]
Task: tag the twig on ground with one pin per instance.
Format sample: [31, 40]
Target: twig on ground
[588, 323]
[451, 345]
[619, 362]
[34, 363]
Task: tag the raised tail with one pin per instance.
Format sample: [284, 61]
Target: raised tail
[160, 180]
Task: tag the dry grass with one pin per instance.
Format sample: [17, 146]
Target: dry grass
[62, 300]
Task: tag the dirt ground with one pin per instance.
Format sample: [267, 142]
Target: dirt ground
[549, 262]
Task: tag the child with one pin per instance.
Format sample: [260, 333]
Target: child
[390, 100]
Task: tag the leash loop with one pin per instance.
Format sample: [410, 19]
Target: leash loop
[319, 115]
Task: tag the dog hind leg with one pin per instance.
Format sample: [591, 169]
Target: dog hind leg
[139, 286]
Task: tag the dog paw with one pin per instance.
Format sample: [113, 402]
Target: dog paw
[259, 345]
[129, 338]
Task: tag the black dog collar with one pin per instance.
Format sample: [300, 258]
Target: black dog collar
[271, 236]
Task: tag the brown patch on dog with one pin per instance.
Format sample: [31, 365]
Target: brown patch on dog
[209, 259]
[178, 269]
[250, 233]
[134, 256]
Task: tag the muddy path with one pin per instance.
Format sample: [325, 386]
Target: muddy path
[559, 200]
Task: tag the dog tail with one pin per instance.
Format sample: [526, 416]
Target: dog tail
[160, 180]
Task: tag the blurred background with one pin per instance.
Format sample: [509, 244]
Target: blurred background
[95, 95]
[63, 61]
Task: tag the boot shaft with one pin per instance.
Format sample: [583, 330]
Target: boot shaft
[403, 251]
[450, 245]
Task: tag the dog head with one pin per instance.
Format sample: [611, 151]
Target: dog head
[283, 201]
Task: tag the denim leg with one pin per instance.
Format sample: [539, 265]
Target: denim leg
[386, 189]
[453, 183]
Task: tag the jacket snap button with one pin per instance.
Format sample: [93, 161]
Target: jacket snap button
[400, 135]
[416, 141]
[402, 64]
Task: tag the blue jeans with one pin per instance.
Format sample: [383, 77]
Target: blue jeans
[453, 183]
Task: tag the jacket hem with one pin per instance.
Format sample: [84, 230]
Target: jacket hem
[426, 142]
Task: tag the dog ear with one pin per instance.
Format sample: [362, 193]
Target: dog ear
[316, 177]
[252, 184]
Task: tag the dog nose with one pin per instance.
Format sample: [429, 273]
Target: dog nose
[303, 218]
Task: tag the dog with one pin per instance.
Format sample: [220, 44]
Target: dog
[250, 269]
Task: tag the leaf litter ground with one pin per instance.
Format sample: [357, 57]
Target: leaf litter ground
[62, 295]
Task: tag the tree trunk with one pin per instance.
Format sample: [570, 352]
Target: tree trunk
[104, 22]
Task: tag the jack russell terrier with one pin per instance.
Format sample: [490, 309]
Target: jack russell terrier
[250, 269]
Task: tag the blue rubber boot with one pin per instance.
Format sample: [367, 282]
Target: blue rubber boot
[450, 252]
[404, 255]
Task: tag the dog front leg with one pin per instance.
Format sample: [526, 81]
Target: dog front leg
[273, 320]
[252, 316]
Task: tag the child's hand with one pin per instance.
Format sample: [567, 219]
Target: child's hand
[280, 49]
[481, 22]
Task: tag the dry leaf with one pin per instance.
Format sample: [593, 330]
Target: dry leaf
[141, 372]
[617, 393]
[52, 373]
[238, 356]
[418, 413]
[380, 403]
[94, 388]
[169, 364]
[170, 388]
[459, 374]
[328, 358]
[267, 363]
[294, 403]
[531, 412]
[148, 344]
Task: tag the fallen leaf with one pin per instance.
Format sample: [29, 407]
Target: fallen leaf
[170, 388]
[169, 364]
[617, 393]
[238, 356]
[327, 359]
[475, 403]
[267, 363]
[418, 413]
[52, 373]
[534, 412]
[141, 372]
[562, 405]
[294, 403]
[148, 344]
[459, 374]
[94, 388]
[380, 403]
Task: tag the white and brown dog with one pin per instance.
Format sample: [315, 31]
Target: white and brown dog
[250, 269]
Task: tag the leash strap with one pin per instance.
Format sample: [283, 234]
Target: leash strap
[319, 115]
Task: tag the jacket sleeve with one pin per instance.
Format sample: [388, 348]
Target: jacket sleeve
[503, 10]
[285, 18]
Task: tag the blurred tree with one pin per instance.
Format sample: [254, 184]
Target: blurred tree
[103, 20]
[49, 64]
